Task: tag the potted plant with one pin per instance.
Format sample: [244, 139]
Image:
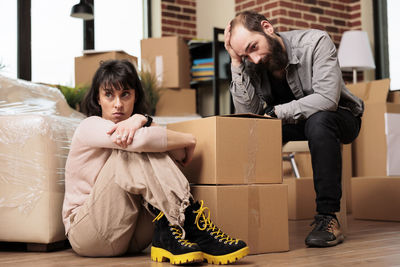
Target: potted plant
[73, 95]
[151, 87]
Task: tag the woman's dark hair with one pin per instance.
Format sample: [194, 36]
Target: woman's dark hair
[250, 20]
[117, 74]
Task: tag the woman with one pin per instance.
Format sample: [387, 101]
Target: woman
[118, 176]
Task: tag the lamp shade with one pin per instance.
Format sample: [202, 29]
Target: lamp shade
[82, 10]
[355, 51]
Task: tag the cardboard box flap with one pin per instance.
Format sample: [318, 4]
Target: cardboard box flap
[247, 115]
[378, 91]
[92, 52]
[371, 92]
[358, 89]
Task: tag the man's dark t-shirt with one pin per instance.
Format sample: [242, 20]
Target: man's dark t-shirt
[281, 92]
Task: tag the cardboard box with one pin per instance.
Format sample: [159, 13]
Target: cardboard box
[86, 65]
[303, 163]
[234, 150]
[301, 198]
[256, 214]
[176, 102]
[376, 198]
[169, 59]
[375, 151]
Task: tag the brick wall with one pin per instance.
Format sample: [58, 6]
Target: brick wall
[332, 16]
[178, 17]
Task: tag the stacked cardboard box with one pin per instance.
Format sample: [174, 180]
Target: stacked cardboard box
[237, 171]
[86, 65]
[169, 59]
[377, 145]
[376, 184]
[376, 198]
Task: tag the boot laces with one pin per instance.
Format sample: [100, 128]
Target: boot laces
[176, 231]
[324, 223]
[203, 222]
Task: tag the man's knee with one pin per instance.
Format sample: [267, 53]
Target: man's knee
[321, 125]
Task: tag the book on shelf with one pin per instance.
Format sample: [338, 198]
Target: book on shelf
[202, 67]
[203, 61]
[203, 73]
[199, 79]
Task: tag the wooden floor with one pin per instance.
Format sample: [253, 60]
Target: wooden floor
[368, 243]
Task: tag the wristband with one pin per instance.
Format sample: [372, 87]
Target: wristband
[271, 112]
[149, 121]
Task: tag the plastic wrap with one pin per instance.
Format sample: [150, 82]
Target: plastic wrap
[36, 128]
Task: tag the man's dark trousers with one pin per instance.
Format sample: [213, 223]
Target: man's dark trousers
[325, 131]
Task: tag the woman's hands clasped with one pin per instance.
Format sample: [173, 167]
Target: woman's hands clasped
[124, 131]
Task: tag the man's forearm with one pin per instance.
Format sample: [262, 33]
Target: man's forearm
[243, 92]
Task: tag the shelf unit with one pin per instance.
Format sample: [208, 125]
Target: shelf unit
[215, 50]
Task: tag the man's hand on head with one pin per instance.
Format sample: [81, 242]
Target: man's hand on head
[236, 59]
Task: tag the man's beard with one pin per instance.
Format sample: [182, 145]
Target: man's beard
[276, 59]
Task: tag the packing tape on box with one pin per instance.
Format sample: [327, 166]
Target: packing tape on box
[250, 175]
[254, 220]
[36, 128]
[159, 70]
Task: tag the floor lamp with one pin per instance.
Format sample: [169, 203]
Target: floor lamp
[355, 53]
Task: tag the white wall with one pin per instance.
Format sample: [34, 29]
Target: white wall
[212, 13]
[209, 13]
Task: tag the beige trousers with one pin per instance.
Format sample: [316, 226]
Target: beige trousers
[113, 220]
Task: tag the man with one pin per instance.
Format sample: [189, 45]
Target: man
[295, 76]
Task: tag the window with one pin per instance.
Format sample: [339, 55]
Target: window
[57, 39]
[393, 6]
[118, 25]
[8, 38]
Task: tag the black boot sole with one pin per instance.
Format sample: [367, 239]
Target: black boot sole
[317, 243]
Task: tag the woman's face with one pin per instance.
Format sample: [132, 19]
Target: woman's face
[116, 105]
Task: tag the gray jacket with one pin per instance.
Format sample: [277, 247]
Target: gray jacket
[313, 75]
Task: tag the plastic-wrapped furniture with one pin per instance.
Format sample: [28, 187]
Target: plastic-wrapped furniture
[36, 127]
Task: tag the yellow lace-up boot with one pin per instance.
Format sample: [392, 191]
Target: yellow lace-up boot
[168, 244]
[217, 247]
